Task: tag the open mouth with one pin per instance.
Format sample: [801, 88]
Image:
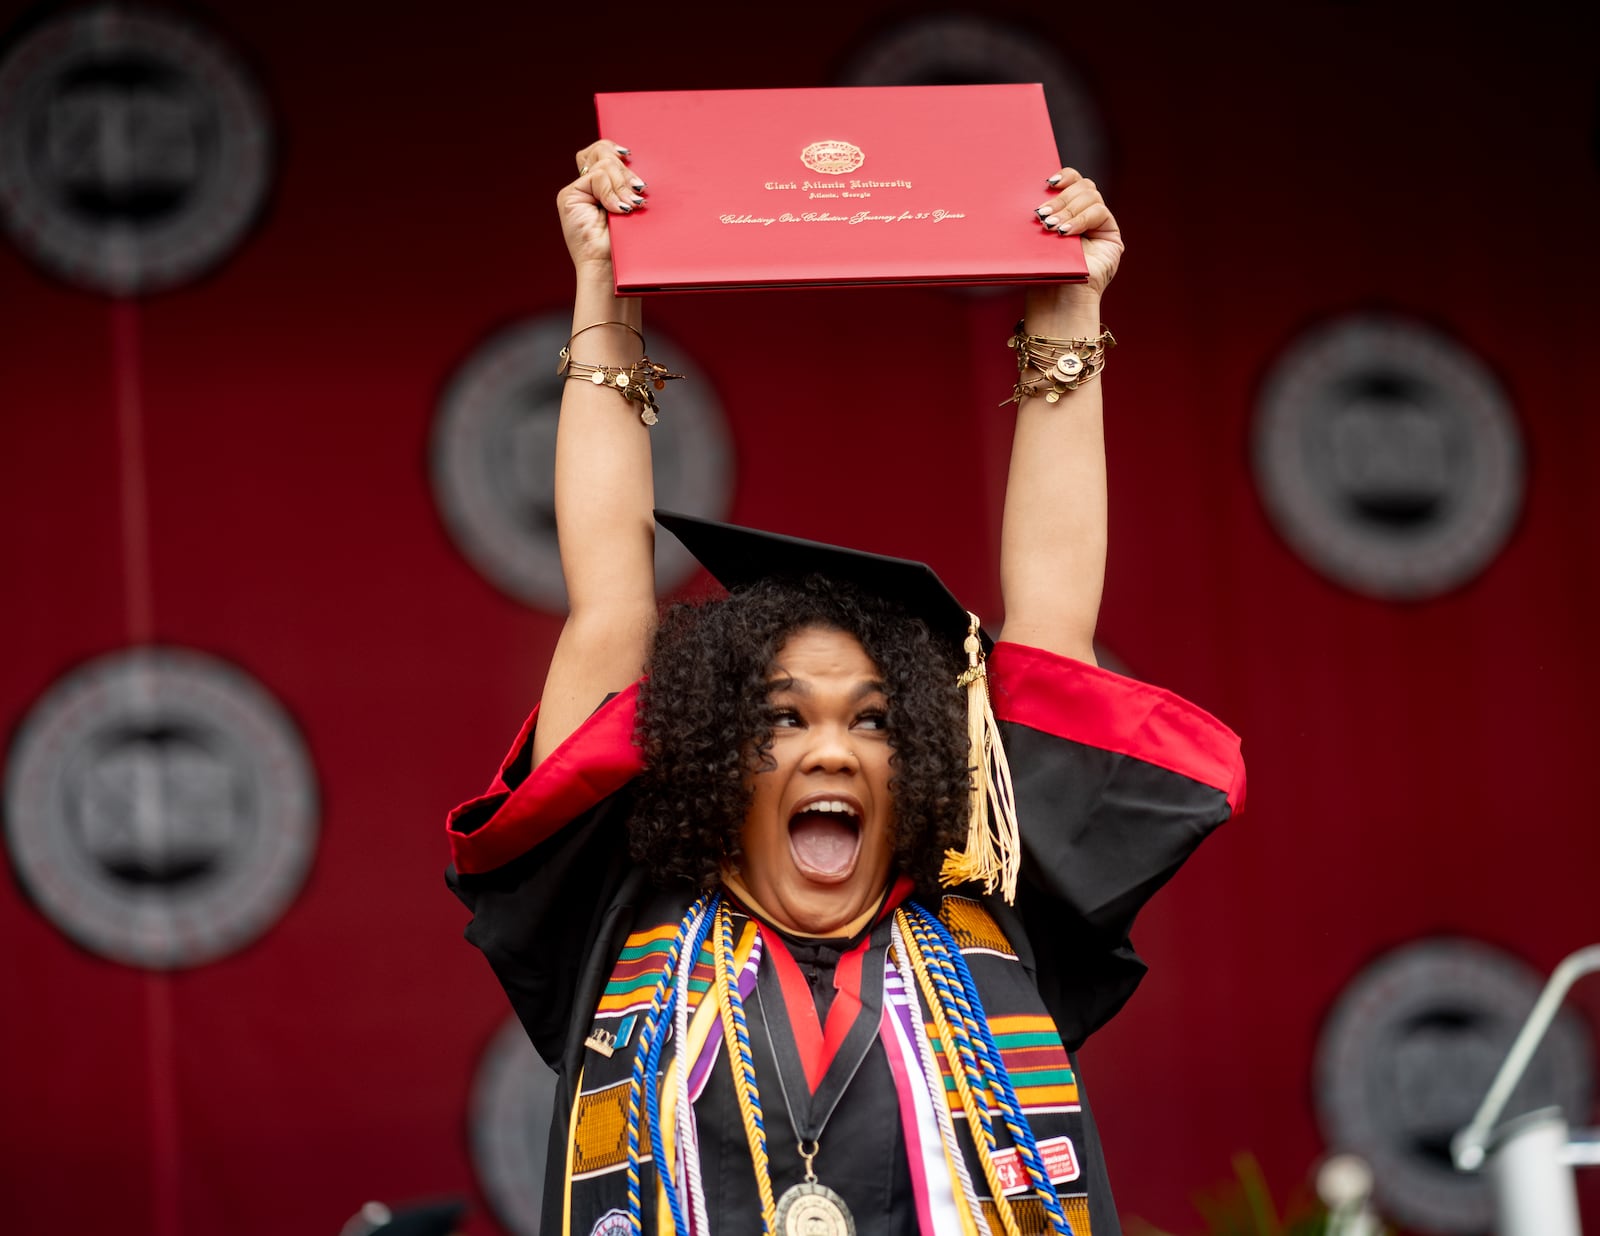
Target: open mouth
[825, 837]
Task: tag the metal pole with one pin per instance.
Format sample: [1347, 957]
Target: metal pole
[1534, 1192]
[1467, 1147]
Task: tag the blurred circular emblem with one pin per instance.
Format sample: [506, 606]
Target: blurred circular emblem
[1388, 457]
[513, 1097]
[832, 158]
[1406, 1056]
[160, 807]
[959, 49]
[493, 460]
[134, 151]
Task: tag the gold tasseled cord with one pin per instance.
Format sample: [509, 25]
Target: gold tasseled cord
[993, 855]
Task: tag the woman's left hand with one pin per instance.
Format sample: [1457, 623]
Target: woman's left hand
[1075, 208]
[605, 186]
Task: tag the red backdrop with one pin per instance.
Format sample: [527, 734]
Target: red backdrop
[241, 466]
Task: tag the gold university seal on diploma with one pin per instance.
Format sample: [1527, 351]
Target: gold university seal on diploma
[832, 158]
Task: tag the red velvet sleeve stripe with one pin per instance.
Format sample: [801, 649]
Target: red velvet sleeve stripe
[596, 760]
[1083, 703]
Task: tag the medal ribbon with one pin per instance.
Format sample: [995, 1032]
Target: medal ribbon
[815, 1065]
[816, 1046]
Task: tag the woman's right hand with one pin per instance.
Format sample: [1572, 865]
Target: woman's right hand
[605, 185]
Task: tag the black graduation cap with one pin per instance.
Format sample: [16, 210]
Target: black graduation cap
[735, 556]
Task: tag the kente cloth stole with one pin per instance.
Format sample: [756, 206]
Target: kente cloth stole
[946, 1171]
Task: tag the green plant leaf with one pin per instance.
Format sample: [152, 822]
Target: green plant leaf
[1253, 1186]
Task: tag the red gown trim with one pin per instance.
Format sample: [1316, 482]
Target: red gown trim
[1086, 704]
[596, 760]
[1042, 690]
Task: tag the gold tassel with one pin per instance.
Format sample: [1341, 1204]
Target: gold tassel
[994, 846]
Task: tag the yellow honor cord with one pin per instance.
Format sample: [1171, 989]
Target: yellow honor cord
[700, 1025]
[742, 1084]
[969, 1100]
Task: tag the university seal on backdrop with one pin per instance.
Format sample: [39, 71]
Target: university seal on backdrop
[493, 459]
[1406, 1056]
[513, 1097]
[1388, 457]
[134, 150]
[160, 807]
[956, 49]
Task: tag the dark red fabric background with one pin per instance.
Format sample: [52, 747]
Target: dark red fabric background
[1414, 769]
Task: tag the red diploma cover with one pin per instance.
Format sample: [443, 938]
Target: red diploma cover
[836, 188]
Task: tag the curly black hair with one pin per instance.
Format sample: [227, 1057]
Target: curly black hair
[704, 725]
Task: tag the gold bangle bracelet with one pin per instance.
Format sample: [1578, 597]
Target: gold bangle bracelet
[596, 325]
[637, 383]
[1061, 365]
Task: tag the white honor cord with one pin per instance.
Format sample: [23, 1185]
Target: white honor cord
[935, 1082]
[946, 1205]
[688, 1157]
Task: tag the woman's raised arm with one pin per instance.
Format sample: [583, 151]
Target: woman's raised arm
[1053, 536]
[603, 487]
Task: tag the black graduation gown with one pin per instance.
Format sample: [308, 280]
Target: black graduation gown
[1116, 783]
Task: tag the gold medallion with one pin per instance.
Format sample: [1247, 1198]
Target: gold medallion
[812, 1209]
[598, 378]
[647, 414]
[1070, 364]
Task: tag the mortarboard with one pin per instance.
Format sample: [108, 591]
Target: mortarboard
[735, 556]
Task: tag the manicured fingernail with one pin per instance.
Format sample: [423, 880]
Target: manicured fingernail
[1054, 180]
[1053, 221]
[1042, 211]
[623, 150]
[637, 200]
[624, 207]
[639, 186]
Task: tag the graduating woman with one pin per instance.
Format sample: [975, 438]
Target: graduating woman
[808, 894]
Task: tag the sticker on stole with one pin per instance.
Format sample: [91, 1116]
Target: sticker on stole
[1060, 1164]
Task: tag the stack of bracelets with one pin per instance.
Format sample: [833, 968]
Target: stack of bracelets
[637, 383]
[1062, 365]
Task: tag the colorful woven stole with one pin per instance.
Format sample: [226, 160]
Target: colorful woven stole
[956, 1144]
